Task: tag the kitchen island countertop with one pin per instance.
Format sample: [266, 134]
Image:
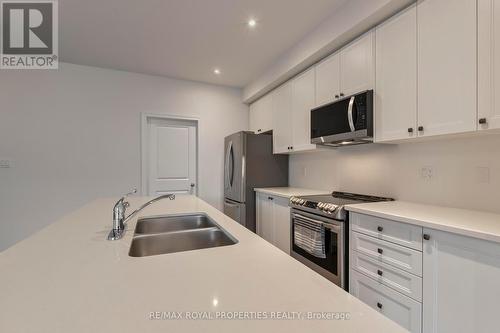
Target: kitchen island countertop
[69, 278]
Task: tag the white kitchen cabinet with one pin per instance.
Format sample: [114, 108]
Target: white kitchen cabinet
[273, 220]
[461, 284]
[261, 114]
[303, 97]
[396, 77]
[281, 218]
[349, 71]
[264, 217]
[401, 309]
[446, 61]
[328, 80]
[488, 64]
[282, 120]
[291, 115]
[357, 65]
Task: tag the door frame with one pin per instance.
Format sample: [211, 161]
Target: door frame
[145, 116]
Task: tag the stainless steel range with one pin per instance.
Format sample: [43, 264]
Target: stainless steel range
[319, 237]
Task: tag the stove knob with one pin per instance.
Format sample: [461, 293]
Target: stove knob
[293, 200]
[320, 205]
[302, 201]
[331, 209]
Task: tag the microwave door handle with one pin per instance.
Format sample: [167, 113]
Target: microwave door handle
[349, 114]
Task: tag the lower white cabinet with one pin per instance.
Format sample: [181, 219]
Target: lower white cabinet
[461, 285]
[273, 220]
[403, 310]
[451, 286]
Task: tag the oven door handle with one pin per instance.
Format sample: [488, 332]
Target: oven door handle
[330, 226]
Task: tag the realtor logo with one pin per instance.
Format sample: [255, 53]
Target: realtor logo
[29, 35]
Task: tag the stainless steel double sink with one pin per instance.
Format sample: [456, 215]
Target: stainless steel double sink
[177, 233]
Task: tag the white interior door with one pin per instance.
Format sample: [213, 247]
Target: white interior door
[171, 156]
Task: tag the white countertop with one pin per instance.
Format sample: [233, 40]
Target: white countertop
[68, 278]
[288, 192]
[471, 223]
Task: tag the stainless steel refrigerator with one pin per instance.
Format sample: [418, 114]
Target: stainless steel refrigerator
[250, 163]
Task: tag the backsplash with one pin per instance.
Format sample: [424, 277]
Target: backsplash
[460, 172]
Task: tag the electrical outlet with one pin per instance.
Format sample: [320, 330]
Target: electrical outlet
[482, 175]
[427, 173]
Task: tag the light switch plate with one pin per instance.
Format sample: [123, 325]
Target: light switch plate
[5, 163]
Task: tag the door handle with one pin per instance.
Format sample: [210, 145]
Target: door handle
[349, 114]
[226, 167]
[227, 203]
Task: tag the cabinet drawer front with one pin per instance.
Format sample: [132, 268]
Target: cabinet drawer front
[392, 231]
[399, 280]
[396, 255]
[395, 306]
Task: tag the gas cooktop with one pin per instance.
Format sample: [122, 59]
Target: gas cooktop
[332, 205]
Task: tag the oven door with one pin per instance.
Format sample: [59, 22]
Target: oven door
[331, 267]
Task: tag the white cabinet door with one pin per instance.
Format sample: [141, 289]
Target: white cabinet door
[461, 284]
[260, 115]
[328, 80]
[403, 310]
[396, 77]
[282, 120]
[488, 64]
[265, 219]
[281, 219]
[254, 116]
[446, 66]
[302, 103]
[357, 65]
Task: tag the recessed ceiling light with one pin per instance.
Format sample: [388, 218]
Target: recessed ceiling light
[217, 71]
[252, 23]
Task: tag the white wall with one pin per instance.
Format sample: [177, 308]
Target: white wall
[395, 170]
[74, 135]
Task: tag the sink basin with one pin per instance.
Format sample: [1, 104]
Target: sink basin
[179, 241]
[160, 224]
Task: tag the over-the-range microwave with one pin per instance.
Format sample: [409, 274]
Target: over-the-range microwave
[344, 122]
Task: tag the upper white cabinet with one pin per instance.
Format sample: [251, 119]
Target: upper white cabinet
[291, 115]
[460, 285]
[302, 103]
[328, 80]
[261, 114]
[282, 120]
[488, 64]
[396, 77]
[349, 71]
[357, 65]
[447, 84]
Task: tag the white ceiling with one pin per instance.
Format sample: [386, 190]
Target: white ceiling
[186, 38]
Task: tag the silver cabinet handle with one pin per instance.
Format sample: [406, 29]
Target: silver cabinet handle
[349, 114]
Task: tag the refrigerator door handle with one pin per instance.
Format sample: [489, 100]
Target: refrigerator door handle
[226, 165]
[230, 204]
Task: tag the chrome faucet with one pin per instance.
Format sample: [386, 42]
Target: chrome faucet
[119, 218]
